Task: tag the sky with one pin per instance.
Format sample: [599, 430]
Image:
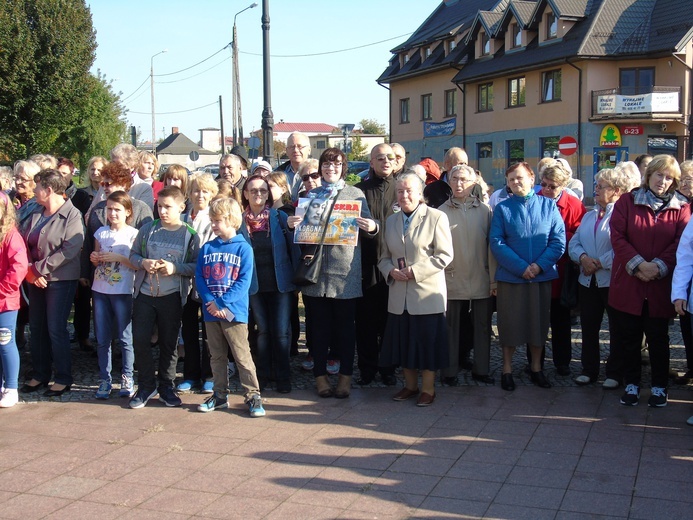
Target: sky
[333, 88]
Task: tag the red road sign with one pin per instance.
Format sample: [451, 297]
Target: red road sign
[567, 145]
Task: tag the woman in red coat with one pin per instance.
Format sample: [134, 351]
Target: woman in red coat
[554, 179]
[13, 268]
[646, 226]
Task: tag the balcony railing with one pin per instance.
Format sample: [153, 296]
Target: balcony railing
[617, 102]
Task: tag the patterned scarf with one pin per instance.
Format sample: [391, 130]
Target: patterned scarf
[259, 222]
[327, 190]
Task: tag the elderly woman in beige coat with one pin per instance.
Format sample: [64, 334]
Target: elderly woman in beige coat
[416, 249]
[468, 278]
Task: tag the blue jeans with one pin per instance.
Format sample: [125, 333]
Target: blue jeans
[9, 355]
[113, 320]
[49, 310]
[272, 313]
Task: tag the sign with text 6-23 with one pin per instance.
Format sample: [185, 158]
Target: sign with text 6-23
[632, 130]
[610, 137]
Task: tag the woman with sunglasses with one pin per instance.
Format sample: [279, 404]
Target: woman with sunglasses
[275, 257]
[310, 176]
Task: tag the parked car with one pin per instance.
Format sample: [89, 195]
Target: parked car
[211, 168]
[164, 167]
[357, 166]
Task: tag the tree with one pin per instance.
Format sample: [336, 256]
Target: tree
[46, 50]
[371, 126]
[100, 125]
[358, 149]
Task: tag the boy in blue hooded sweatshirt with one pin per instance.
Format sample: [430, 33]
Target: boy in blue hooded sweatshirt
[223, 278]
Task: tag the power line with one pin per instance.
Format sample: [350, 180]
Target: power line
[191, 66]
[328, 52]
[196, 75]
[177, 112]
[135, 91]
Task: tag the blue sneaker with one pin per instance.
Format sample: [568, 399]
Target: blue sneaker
[168, 396]
[213, 403]
[141, 398]
[127, 386]
[186, 386]
[255, 406]
[208, 387]
[104, 391]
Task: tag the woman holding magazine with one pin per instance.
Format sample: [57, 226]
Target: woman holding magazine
[331, 302]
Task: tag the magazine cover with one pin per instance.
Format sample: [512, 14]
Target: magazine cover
[342, 228]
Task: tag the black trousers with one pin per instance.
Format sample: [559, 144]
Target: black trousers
[331, 324]
[371, 317]
[593, 302]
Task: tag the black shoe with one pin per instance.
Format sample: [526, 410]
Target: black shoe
[389, 379]
[563, 370]
[539, 379]
[365, 379]
[57, 393]
[507, 382]
[284, 386]
[483, 379]
[451, 381]
[27, 388]
[685, 379]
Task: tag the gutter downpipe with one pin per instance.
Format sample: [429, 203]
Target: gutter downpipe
[464, 115]
[579, 123]
[690, 103]
[389, 93]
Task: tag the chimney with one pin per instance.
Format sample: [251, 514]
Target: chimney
[174, 130]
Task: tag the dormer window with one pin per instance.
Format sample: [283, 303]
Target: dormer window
[451, 46]
[485, 44]
[517, 36]
[427, 52]
[551, 26]
[406, 58]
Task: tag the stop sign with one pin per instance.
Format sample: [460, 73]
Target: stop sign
[567, 145]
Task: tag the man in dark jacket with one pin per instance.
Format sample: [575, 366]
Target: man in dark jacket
[371, 310]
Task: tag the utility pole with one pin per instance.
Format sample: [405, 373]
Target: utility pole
[236, 102]
[267, 116]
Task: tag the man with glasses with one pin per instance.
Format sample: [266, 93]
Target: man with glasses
[298, 150]
[371, 309]
[230, 169]
[400, 158]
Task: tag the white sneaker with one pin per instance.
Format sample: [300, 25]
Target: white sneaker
[10, 397]
[610, 384]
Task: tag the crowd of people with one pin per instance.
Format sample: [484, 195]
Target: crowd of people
[416, 261]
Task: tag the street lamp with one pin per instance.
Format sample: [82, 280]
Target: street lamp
[236, 84]
[267, 115]
[151, 76]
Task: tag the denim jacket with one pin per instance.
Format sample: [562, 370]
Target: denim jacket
[286, 254]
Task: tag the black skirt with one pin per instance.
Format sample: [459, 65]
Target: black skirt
[415, 341]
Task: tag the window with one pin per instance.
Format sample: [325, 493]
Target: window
[517, 36]
[450, 108]
[451, 46]
[636, 81]
[485, 45]
[551, 26]
[427, 107]
[516, 151]
[516, 92]
[427, 52]
[549, 146]
[551, 88]
[485, 97]
[484, 150]
[404, 110]
[320, 145]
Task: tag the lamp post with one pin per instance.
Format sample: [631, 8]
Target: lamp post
[267, 116]
[151, 76]
[236, 84]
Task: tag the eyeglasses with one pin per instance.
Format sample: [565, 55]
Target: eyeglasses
[385, 157]
[298, 147]
[21, 180]
[549, 186]
[107, 184]
[329, 164]
[261, 191]
[687, 181]
[314, 176]
[603, 187]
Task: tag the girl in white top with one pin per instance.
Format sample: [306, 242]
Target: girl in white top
[112, 292]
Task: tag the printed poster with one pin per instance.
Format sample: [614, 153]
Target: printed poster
[342, 228]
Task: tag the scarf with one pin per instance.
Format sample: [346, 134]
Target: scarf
[259, 222]
[327, 190]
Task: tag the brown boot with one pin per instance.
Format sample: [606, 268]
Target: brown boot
[343, 387]
[323, 386]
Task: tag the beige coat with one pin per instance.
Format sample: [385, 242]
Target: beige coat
[470, 276]
[427, 249]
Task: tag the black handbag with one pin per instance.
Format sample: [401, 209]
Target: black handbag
[308, 269]
[569, 289]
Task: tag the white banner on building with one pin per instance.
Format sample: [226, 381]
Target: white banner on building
[641, 103]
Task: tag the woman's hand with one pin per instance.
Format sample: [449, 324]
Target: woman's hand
[589, 265]
[166, 268]
[647, 271]
[366, 224]
[95, 257]
[399, 275]
[150, 265]
[293, 221]
[41, 282]
[680, 306]
[531, 272]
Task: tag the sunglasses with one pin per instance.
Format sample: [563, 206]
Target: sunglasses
[313, 176]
